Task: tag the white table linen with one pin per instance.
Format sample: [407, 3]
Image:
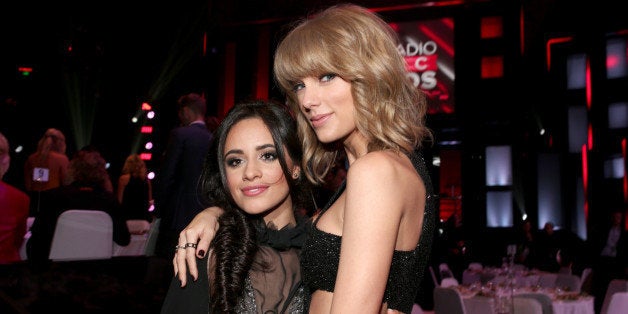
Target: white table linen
[476, 302]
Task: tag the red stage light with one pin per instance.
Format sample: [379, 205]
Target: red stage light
[25, 71]
[147, 129]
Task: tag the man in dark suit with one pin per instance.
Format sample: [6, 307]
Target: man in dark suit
[178, 199]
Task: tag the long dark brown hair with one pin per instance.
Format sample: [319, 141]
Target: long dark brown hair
[235, 243]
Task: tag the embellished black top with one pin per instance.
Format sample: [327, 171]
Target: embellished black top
[321, 253]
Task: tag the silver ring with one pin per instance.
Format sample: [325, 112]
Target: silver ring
[179, 247]
[192, 245]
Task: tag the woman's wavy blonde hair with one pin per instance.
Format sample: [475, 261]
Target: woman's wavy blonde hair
[361, 48]
[135, 166]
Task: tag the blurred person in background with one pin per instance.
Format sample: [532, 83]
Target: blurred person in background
[46, 168]
[135, 190]
[14, 207]
[608, 242]
[526, 245]
[177, 200]
[87, 190]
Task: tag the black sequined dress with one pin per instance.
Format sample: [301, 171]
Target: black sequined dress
[321, 253]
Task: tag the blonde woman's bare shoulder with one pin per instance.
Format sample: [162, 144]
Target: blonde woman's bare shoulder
[124, 179]
[378, 164]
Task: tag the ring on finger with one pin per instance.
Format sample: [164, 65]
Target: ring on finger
[192, 245]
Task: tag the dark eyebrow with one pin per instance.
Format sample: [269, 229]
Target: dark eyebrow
[239, 151]
[234, 151]
[265, 146]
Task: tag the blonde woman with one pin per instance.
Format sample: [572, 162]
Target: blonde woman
[135, 191]
[47, 168]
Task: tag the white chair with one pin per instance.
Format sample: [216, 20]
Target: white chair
[82, 235]
[524, 305]
[448, 301]
[618, 304]
[615, 286]
[139, 229]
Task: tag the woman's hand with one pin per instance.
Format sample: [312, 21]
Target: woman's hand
[201, 231]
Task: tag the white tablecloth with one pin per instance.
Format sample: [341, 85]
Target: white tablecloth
[483, 305]
[580, 306]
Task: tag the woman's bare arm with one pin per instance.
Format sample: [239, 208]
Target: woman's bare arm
[201, 230]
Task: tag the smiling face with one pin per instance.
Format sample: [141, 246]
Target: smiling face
[328, 106]
[254, 175]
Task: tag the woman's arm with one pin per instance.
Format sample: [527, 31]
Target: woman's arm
[150, 192]
[372, 216]
[201, 230]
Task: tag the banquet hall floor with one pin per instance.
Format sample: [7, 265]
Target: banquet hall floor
[119, 285]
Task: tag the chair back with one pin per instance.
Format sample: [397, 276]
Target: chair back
[618, 304]
[568, 282]
[448, 301]
[523, 305]
[82, 235]
[615, 286]
[543, 299]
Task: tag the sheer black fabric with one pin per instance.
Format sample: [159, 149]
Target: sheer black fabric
[277, 288]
